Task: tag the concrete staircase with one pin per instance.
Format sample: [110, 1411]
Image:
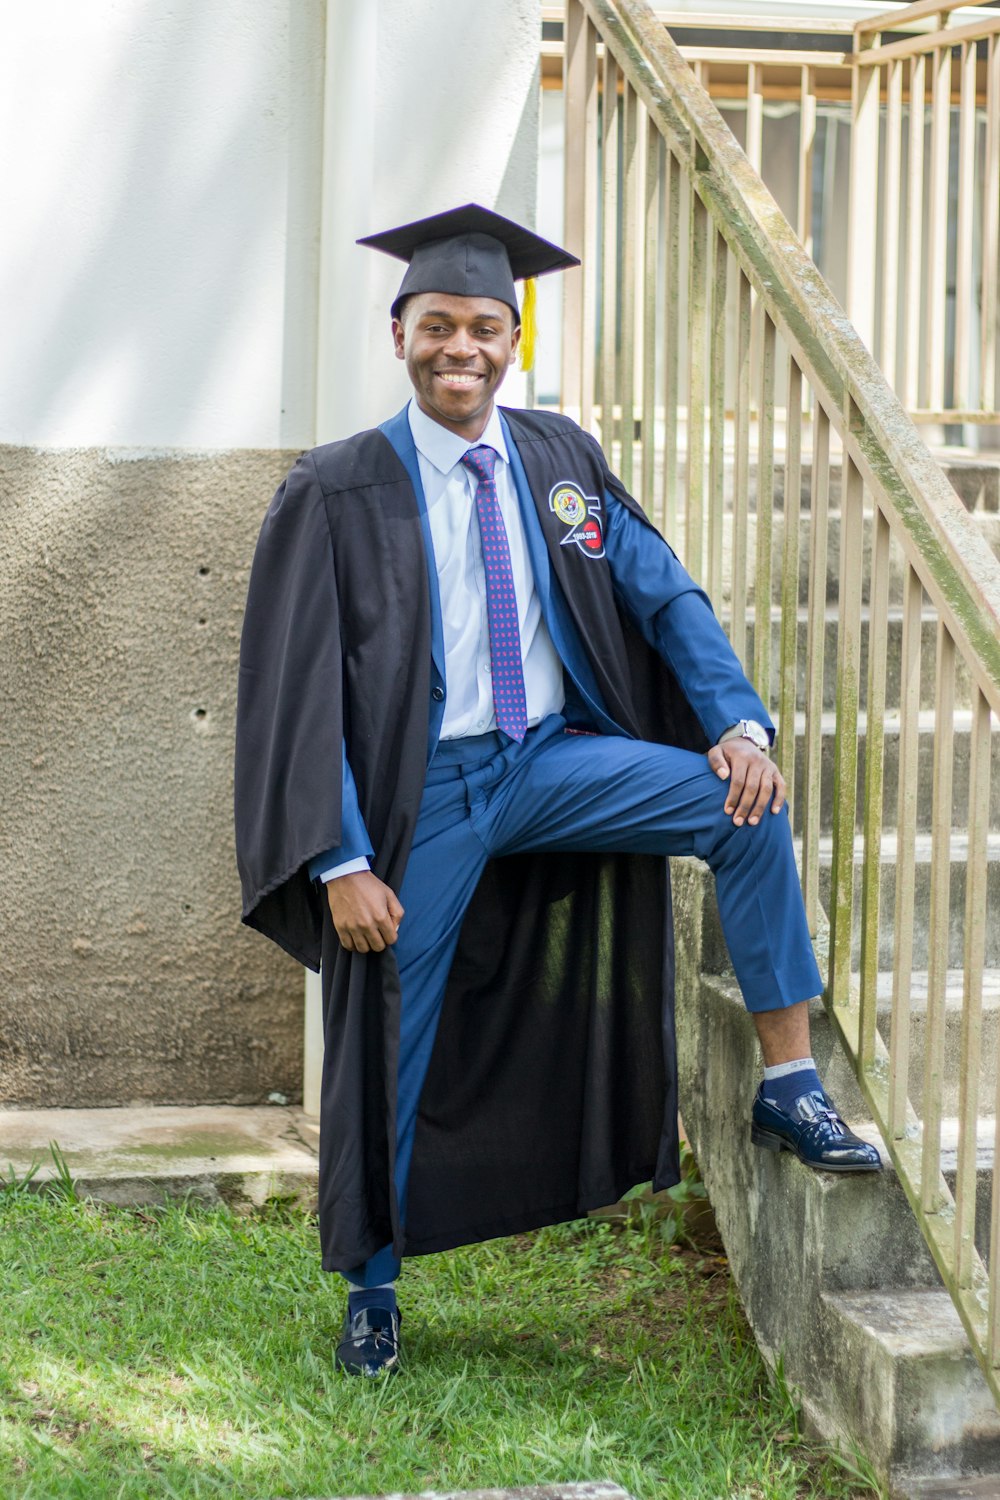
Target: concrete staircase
[833, 1271]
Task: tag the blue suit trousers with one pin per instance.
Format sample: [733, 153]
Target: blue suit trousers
[563, 790]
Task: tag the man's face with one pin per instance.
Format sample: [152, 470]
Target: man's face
[457, 351]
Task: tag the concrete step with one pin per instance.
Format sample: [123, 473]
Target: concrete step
[833, 1270]
[960, 735]
[917, 1030]
[922, 873]
[911, 1382]
[971, 1487]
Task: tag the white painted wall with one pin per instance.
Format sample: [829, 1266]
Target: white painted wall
[427, 107]
[160, 208]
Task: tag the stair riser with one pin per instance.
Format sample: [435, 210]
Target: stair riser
[956, 914]
[976, 484]
[952, 1058]
[894, 639]
[890, 789]
[987, 523]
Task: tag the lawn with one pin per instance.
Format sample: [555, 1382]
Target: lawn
[187, 1353]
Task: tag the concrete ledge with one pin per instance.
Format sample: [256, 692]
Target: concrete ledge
[217, 1153]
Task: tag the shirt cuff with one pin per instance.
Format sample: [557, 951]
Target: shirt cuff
[348, 867]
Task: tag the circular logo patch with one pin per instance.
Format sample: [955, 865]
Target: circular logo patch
[568, 504]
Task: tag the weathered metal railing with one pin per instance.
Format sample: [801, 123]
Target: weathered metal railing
[741, 405]
[922, 256]
[914, 243]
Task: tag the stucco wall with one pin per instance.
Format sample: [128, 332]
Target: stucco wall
[160, 210]
[124, 972]
[427, 107]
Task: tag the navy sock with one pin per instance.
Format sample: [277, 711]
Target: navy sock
[360, 1298]
[792, 1080]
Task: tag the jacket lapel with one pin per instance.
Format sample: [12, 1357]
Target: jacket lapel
[565, 636]
[397, 431]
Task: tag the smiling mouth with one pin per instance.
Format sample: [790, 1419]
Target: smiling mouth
[458, 377]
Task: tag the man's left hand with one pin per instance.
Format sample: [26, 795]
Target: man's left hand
[754, 780]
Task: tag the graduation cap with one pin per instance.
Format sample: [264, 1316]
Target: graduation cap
[473, 252]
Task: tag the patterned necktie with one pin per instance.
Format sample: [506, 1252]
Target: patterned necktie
[501, 602]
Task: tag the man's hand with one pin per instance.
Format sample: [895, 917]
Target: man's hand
[754, 780]
[365, 912]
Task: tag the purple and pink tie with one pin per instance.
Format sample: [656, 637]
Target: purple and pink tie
[501, 601]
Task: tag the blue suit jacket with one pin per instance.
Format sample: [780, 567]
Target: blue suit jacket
[685, 632]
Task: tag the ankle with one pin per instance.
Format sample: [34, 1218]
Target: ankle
[786, 1082]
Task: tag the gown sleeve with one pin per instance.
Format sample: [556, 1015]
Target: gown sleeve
[289, 718]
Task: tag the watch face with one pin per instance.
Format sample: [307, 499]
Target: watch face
[756, 734]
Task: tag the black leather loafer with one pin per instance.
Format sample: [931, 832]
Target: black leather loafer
[812, 1129]
[369, 1342]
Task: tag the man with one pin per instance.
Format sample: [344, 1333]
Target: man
[480, 701]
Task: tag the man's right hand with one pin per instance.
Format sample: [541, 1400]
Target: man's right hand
[365, 912]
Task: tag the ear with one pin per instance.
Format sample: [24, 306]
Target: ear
[398, 339]
[515, 339]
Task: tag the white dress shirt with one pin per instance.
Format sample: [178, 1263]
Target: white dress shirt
[450, 492]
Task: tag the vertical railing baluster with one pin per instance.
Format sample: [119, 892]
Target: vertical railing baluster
[845, 774]
[906, 825]
[807, 143]
[889, 248]
[694, 517]
[912, 383]
[937, 937]
[755, 116]
[671, 345]
[966, 212]
[991, 234]
[765, 514]
[649, 319]
[871, 869]
[631, 255]
[819, 503]
[609, 247]
[580, 209]
[972, 987]
[717, 418]
[937, 258]
[863, 205]
[792, 507]
[741, 468]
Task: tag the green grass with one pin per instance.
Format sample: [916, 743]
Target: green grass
[187, 1353]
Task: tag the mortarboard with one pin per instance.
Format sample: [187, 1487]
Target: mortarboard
[472, 252]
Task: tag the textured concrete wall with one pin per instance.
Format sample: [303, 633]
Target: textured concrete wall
[124, 972]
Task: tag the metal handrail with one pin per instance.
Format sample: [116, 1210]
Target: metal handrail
[698, 323]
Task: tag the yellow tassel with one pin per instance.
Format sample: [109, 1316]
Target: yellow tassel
[529, 324]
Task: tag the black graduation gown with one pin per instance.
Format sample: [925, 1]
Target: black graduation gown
[552, 1085]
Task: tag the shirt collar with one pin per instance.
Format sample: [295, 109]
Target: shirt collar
[444, 448]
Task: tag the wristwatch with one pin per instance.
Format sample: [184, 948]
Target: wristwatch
[748, 729]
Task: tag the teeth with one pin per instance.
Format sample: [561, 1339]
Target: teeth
[454, 378]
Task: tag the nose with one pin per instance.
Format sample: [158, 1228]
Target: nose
[460, 345]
